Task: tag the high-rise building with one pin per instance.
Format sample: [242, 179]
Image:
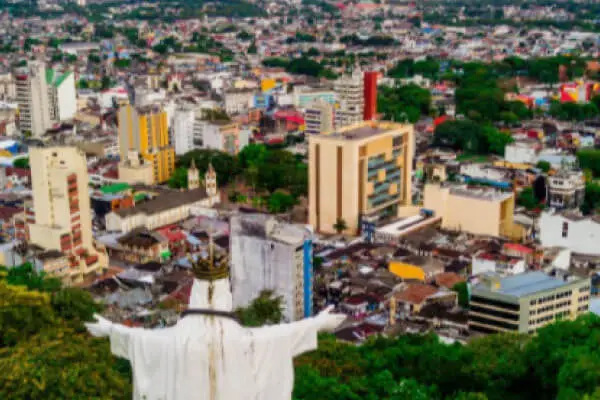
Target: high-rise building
[33, 99]
[370, 95]
[359, 171]
[319, 118]
[349, 90]
[62, 94]
[60, 217]
[183, 130]
[270, 255]
[145, 130]
[526, 302]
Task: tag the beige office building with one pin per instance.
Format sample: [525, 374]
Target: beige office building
[480, 211]
[319, 118]
[33, 99]
[526, 302]
[362, 170]
[60, 216]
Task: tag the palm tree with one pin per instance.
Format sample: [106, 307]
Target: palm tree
[340, 225]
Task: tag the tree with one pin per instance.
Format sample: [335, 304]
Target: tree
[404, 103]
[280, 201]
[74, 304]
[266, 309]
[179, 179]
[106, 83]
[340, 225]
[21, 163]
[545, 166]
[62, 364]
[463, 294]
[23, 313]
[252, 49]
[589, 159]
[591, 200]
[462, 135]
[528, 200]
[496, 141]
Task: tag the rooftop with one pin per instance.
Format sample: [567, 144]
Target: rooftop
[481, 193]
[522, 285]
[364, 130]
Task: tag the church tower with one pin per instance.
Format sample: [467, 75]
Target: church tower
[193, 176]
[210, 181]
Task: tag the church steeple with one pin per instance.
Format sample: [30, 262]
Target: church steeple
[193, 176]
[210, 181]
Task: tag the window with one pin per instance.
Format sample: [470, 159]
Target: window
[565, 229]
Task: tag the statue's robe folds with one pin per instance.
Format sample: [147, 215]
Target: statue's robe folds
[207, 357]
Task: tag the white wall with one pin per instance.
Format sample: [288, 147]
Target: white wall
[480, 266]
[520, 154]
[183, 131]
[582, 236]
[67, 98]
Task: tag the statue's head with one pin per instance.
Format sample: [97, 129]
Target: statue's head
[211, 289]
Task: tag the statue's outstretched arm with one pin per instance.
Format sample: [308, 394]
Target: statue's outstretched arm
[302, 335]
[119, 335]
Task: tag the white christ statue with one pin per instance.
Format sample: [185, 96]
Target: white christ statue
[208, 354]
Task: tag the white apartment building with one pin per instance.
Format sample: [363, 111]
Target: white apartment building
[570, 231]
[349, 90]
[33, 99]
[183, 130]
[566, 189]
[62, 94]
[319, 118]
[521, 153]
[270, 255]
[238, 101]
[501, 264]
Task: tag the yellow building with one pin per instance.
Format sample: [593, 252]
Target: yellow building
[479, 211]
[418, 268]
[145, 130]
[362, 170]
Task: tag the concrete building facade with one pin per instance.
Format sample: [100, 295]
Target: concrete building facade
[363, 170]
[60, 216]
[477, 211]
[32, 97]
[566, 189]
[319, 117]
[526, 302]
[349, 90]
[270, 255]
[570, 231]
[183, 130]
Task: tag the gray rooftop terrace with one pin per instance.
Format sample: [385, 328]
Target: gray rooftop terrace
[525, 284]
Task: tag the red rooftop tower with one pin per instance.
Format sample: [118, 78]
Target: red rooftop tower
[370, 95]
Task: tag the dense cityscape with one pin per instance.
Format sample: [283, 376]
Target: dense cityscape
[418, 183]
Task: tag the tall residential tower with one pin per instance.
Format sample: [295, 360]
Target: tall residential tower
[145, 131]
[33, 98]
[60, 217]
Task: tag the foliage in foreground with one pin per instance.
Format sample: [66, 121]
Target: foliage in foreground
[561, 362]
[45, 352]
